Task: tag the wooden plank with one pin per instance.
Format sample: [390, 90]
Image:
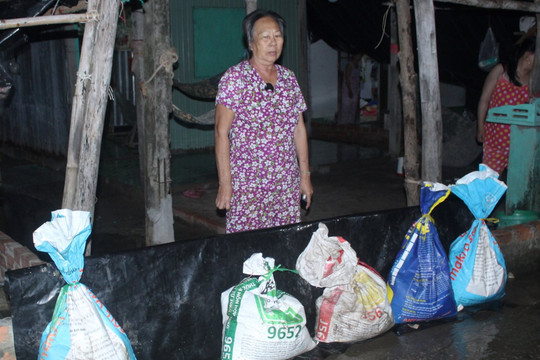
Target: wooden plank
[430, 96]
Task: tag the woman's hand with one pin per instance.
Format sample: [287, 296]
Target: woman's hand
[480, 133]
[306, 188]
[223, 199]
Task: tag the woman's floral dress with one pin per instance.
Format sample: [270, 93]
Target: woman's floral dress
[497, 135]
[264, 166]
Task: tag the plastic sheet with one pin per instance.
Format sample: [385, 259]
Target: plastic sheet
[168, 297]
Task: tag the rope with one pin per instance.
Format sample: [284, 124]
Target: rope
[92, 15]
[385, 16]
[204, 119]
[55, 7]
[278, 268]
[166, 61]
[413, 181]
[84, 76]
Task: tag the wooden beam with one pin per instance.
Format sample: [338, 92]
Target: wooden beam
[430, 94]
[498, 4]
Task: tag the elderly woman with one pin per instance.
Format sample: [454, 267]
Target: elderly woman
[260, 137]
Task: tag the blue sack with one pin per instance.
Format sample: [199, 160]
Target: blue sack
[477, 266]
[419, 286]
[81, 326]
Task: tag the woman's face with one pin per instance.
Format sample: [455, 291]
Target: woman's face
[267, 41]
[528, 60]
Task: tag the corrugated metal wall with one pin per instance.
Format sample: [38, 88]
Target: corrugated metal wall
[182, 34]
[40, 109]
[123, 84]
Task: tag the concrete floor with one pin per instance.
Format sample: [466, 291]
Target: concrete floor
[347, 179]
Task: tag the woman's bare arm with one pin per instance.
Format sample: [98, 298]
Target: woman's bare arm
[301, 144]
[223, 122]
[483, 103]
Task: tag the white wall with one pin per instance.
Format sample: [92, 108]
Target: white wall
[323, 75]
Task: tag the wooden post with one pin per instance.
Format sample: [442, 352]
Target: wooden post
[430, 96]
[303, 74]
[88, 109]
[137, 67]
[157, 90]
[408, 79]
[394, 102]
[534, 82]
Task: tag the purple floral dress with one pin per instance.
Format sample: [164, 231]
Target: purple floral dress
[264, 166]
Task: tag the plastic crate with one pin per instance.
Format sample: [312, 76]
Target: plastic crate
[524, 114]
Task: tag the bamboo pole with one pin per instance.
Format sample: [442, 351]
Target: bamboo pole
[82, 87]
[48, 20]
[88, 110]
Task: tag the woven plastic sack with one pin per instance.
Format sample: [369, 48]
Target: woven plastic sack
[261, 322]
[477, 266]
[327, 260]
[354, 312]
[419, 287]
[81, 326]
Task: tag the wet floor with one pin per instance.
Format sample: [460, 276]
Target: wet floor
[508, 330]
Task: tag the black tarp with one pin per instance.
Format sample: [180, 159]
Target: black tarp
[167, 297]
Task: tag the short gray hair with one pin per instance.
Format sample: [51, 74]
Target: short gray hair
[248, 24]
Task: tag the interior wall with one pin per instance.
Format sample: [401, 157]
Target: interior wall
[323, 75]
